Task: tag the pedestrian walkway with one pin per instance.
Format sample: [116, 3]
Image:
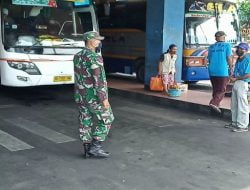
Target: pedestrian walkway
[40, 130]
[10, 141]
[194, 99]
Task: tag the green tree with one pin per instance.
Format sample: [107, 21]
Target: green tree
[244, 11]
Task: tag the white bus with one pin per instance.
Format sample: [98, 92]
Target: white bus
[39, 38]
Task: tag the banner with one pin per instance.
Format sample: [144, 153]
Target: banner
[49, 3]
[75, 0]
[203, 6]
[245, 31]
[81, 2]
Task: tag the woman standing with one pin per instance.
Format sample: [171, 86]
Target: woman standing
[167, 66]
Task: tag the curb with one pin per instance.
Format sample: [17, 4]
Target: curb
[173, 103]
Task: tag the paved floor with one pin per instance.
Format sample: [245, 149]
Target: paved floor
[153, 147]
[197, 94]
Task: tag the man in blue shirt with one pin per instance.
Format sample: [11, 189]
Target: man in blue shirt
[220, 64]
[239, 101]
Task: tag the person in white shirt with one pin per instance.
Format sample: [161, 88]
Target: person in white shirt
[167, 66]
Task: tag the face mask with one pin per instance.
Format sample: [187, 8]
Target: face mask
[98, 49]
[239, 53]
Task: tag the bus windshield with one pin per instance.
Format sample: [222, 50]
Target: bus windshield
[43, 30]
[204, 19]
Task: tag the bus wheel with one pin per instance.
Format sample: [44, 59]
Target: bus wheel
[140, 73]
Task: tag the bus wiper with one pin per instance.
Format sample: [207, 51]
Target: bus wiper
[28, 48]
[204, 34]
[75, 44]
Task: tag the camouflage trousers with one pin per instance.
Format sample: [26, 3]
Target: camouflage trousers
[88, 112]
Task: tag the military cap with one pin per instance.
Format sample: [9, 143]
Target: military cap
[220, 33]
[92, 35]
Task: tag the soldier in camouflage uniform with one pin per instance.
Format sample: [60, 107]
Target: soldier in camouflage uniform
[91, 95]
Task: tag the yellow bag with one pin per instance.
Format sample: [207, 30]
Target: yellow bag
[156, 84]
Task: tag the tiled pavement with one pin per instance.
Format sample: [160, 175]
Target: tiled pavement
[195, 98]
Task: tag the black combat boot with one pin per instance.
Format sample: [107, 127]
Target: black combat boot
[86, 147]
[96, 150]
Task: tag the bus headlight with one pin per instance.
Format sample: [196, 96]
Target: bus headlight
[27, 67]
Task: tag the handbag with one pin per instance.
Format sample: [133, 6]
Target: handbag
[156, 84]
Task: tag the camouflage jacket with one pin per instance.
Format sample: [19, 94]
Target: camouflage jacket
[90, 78]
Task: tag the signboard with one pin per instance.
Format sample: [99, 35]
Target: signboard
[199, 14]
[210, 6]
[76, 0]
[245, 31]
[49, 3]
[82, 2]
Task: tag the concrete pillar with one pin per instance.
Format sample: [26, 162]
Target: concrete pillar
[165, 25]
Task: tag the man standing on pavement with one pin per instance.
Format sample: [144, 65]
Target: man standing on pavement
[239, 101]
[91, 96]
[220, 66]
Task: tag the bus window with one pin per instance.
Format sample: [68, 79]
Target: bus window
[199, 30]
[202, 25]
[86, 20]
[228, 21]
[38, 27]
[38, 42]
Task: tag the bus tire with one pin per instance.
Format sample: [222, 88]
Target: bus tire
[140, 73]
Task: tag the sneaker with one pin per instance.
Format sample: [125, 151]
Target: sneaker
[240, 130]
[215, 108]
[230, 126]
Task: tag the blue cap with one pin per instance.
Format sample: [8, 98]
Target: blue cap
[243, 46]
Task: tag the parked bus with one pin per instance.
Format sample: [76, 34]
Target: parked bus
[39, 38]
[124, 24]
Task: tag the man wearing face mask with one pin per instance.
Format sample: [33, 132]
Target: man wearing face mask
[91, 96]
[220, 67]
[239, 102]
[99, 48]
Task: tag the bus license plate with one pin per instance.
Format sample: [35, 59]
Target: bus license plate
[62, 78]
